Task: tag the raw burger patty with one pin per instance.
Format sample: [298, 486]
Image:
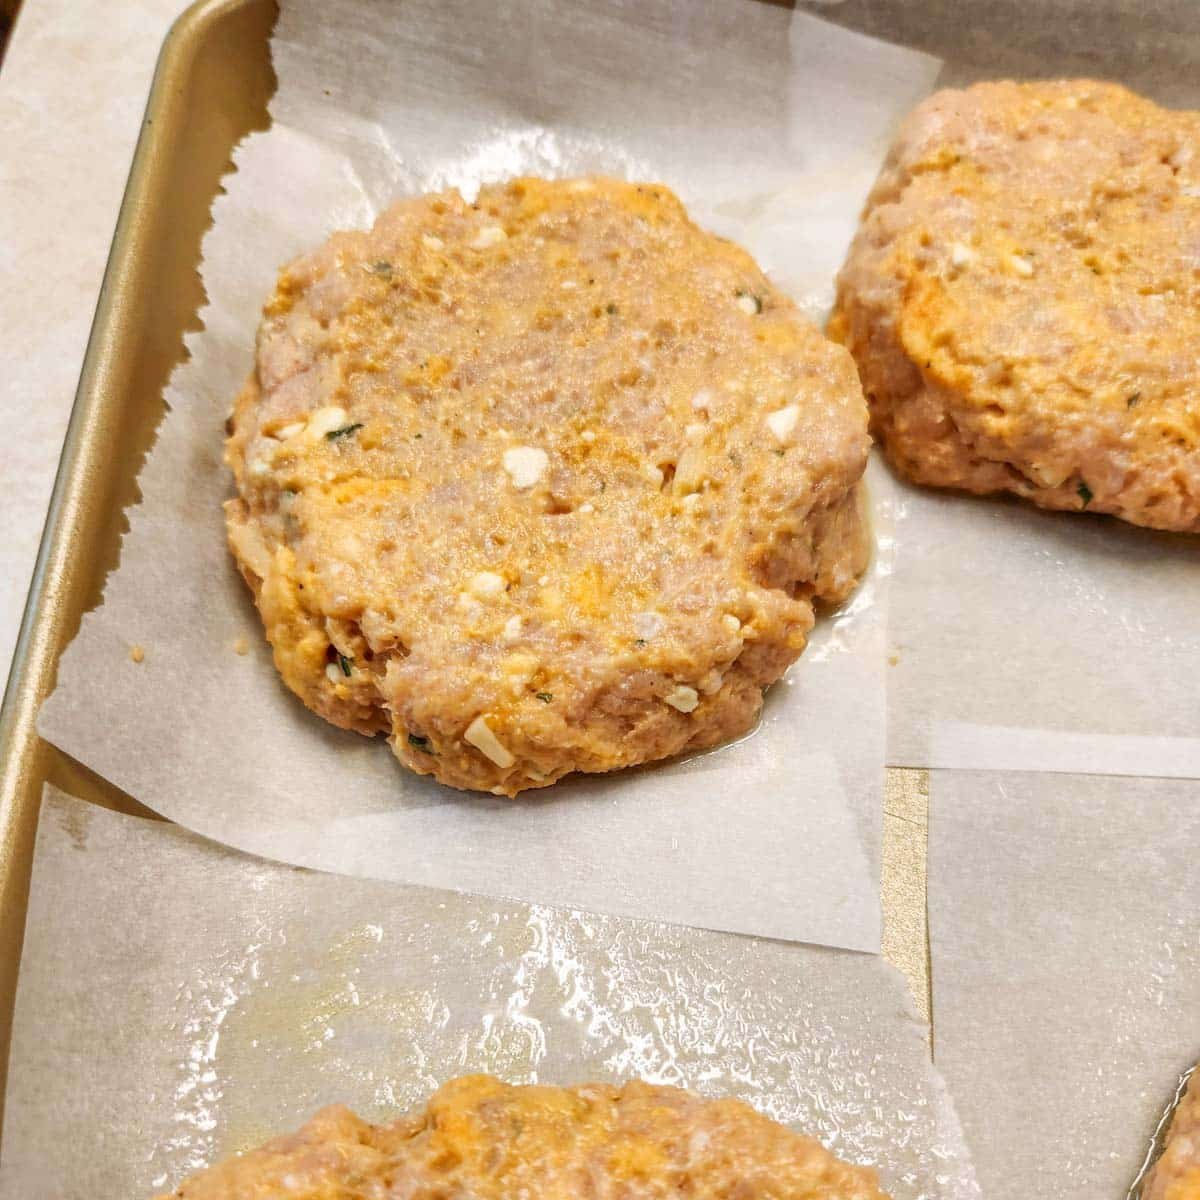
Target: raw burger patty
[541, 484]
[482, 1139]
[1176, 1175]
[1023, 299]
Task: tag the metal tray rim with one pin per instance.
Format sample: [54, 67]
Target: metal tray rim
[56, 589]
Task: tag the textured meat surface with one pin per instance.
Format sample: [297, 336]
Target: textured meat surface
[1176, 1175]
[545, 483]
[483, 1139]
[1023, 299]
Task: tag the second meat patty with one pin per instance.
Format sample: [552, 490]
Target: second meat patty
[1023, 299]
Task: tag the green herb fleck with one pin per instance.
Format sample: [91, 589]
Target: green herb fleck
[545, 697]
[1131, 401]
[610, 309]
[344, 663]
[336, 435]
[1085, 493]
[382, 267]
[418, 435]
[640, 642]
[421, 743]
[779, 452]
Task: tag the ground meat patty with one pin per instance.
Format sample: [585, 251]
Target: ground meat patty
[1023, 299]
[1176, 1175]
[544, 483]
[481, 1138]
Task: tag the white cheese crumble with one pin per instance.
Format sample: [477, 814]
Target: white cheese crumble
[258, 467]
[334, 673]
[587, 508]
[731, 623]
[471, 607]
[512, 629]
[486, 585]
[588, 436]
[690, 500]
[489, 235]
[783, 421]
[960, 255]
[289, 431]
[568, 285]
[702, 399]
[1048, 474]
[648, 625]
[690, 471]
[1021, 265]
[748, 305]
[519, 668]
[683, 698]
[480, 735]
[251, 548]
[653, 474]
[525, 465]
[325, 420]
[432, 243]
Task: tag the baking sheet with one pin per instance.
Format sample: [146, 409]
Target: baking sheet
[1036, 641]
[1065, 934]
[771, 126]
[180, 1001]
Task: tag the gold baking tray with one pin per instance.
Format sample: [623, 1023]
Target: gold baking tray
[210, 89]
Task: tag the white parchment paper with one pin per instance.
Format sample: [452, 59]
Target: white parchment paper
[179, 1001]
[770, 126]
[1065, 935]
[1035, 641]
